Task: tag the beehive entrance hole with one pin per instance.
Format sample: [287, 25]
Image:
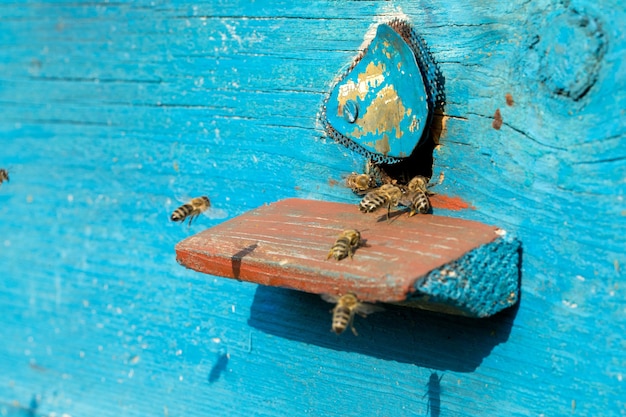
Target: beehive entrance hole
[421, 160]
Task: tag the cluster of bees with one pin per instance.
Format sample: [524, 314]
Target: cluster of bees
[413, 195]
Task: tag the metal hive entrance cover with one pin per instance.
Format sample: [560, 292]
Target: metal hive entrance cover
[383, 105]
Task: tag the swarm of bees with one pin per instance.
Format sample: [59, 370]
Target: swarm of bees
[4, 175]
[191, 210]
[345, 308]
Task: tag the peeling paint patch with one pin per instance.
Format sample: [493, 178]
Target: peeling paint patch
[372, 77]
[382, 145]
[384, 114]
[415, 123]
[497, 120]
[449, 203]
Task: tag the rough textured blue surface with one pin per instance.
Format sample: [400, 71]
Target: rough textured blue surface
[112, 112]
[479, 284]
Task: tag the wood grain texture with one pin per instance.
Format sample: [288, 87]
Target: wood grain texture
[113, 112]
[447, 264]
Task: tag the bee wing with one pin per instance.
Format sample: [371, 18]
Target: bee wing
[179, 200]
[363, 192]
[365, 308]
[330, 298]
[215, 213]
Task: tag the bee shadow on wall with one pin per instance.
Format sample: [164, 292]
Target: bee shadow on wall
[426, 339]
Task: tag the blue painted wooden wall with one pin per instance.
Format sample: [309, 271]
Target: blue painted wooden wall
[112, 112]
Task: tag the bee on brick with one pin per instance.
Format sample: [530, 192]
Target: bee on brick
[345, 245]
[416, 197]
[418, 203]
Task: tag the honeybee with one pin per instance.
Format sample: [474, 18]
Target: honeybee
[422, 183]
[418, 202]
[4, 175]
[192, 209]
[416, 197]
[417, 183]
[345, 245]
[360, 183]
[386, 195]
[343, 313]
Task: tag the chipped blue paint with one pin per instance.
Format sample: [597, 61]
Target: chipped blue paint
[112, 111]
[383, 105]
[481, 283]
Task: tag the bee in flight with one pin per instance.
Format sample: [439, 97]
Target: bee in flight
[192, 209]
[360, 183]
[345, 245]
[4, 175]
[345, 308]
[386, 195]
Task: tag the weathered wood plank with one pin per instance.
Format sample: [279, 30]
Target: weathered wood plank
[111, 112]
[286, 244]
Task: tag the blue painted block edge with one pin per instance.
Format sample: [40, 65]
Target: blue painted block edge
[481, 283]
